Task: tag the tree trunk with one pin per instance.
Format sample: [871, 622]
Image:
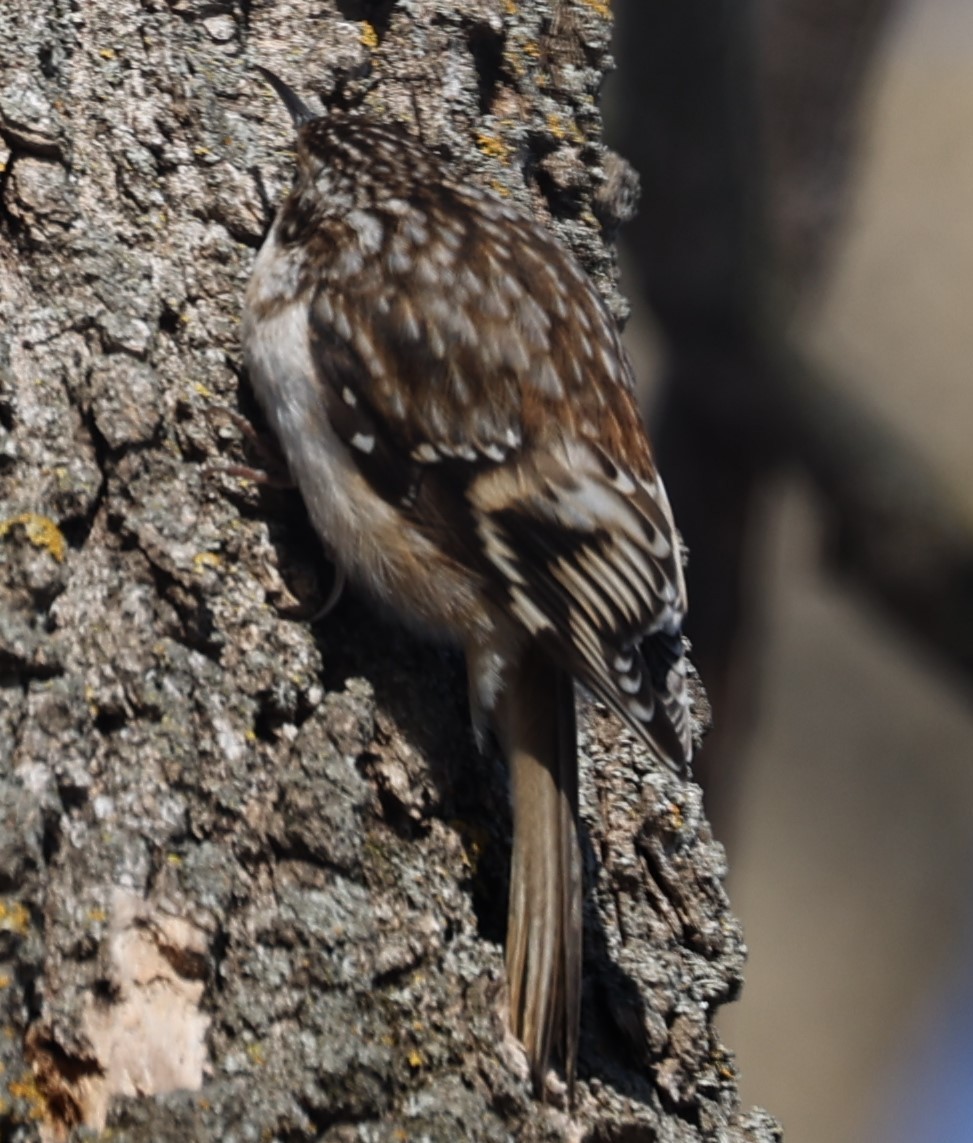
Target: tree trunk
[252, 867]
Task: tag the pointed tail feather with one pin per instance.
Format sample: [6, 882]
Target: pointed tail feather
[536, 726]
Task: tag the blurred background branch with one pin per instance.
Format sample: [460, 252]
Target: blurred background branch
[746, 138]
[804, 247]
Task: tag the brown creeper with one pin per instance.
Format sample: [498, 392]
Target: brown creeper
[456, 407]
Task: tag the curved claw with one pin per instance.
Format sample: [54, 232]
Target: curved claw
[340, 579]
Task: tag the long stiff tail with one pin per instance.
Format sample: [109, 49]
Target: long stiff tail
[535, 722]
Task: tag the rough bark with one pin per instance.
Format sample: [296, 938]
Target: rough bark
[252, 866]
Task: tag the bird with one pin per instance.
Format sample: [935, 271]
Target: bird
[454, 402]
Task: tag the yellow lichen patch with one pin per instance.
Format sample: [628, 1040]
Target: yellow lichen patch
[492, 146]
[416, 1058]
[257, 1054]
[724, 1065]
[26, 1089]
[602, 7]
[554, 125]
[369, 37]
[203, 560]
[91, 698]
[14, 917]
[5, 982]
[475, 840]
[41, 531]
[510, 7]
[107, 53]
[564, 130]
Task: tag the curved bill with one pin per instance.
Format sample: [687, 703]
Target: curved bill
[299, 111]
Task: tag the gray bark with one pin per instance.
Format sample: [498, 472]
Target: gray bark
[252, 867]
